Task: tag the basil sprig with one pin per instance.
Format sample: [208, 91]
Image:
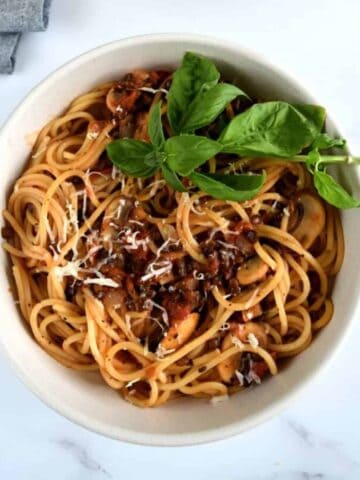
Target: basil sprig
[195, 96]
[272, 129]
[181, 155]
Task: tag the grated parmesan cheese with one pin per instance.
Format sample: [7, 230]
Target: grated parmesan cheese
[286, 212]
[49, 230]
[72, 216]
[92, 135]
[227, 245]
[136, 222]
[161, 352]
[219, 399]
[240, 377]
[153, 90]
[150, 303]
[119, 210]
[104, 282]
[71, 269]
[131, 383]
[156, 268]
[114, 172]
[165, 267]
[254, 342]
[84, 202]
[198, 275]
[54, 252]
[252, 376]
[127, 321]
[236, 341]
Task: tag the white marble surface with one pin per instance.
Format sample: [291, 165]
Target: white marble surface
[318, 437]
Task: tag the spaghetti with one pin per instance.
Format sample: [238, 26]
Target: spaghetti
[164, 293]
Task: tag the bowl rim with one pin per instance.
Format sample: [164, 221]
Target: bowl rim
[173, 439]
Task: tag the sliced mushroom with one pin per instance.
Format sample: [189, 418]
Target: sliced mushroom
[242, 332]
[122, 97]
[253, 270]
[312, 218]
[228, 367]
[180, 332]
[114, 298]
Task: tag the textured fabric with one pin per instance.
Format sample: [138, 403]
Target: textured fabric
[16, 17]
[24, 15]
[8, 46]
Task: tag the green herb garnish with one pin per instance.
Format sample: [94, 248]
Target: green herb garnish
[229, 187]
[276, 129]
[272, 128]
[195, 97]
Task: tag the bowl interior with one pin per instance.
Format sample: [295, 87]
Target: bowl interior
[84, 398]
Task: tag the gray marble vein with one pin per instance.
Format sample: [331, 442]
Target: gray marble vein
[313, 440]
[82, 456]
[299, 429]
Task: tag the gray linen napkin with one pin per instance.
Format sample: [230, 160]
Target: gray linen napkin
[16, 17]
[8, 46]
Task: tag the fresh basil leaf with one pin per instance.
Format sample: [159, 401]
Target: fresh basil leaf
[332, 192]
[229, 187]
[129, 156]
[187, 152]
[208, 105]
[323, 140]
[171, 178]
[314, 114]
[155, 128]
[271, 128]
[195, 74]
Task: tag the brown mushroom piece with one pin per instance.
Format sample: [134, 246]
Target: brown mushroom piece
[113, 99]
[242, 332]
[253, 270]
[228, 367]
[122, 97]
[311, 221]
[180, 332]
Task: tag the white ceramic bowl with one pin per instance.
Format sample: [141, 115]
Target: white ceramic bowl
[84, 398]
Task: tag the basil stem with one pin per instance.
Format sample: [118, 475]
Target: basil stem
[328, 159]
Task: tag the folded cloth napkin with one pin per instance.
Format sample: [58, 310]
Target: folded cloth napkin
[16, 17]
